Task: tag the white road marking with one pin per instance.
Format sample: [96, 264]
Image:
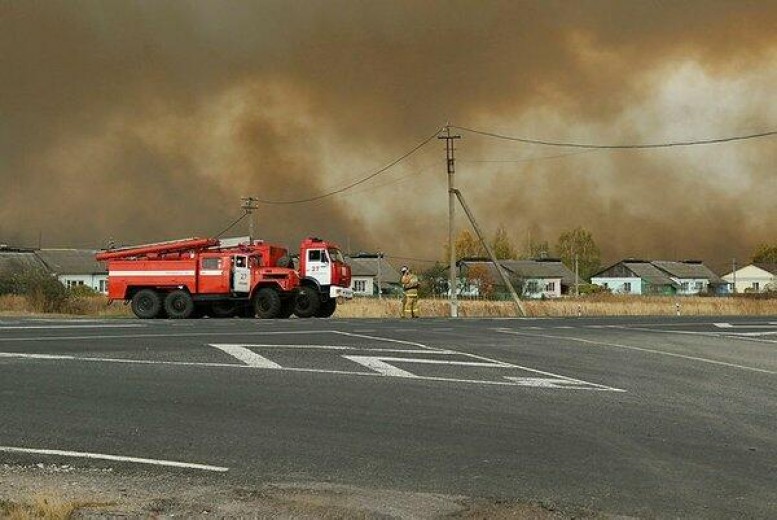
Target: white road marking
[290, 369]
[379, 366]
[165, 335]
[770, 325]
[92, 326]
[249, 357]
[274, 346]
[380, 338]
[116, 458]
[332, 347]
[544, 382]
[641, 349]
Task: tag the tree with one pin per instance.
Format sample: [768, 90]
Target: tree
[467, 246]
[502, 246]
[434, 281]
[579, 242]
[766, 254]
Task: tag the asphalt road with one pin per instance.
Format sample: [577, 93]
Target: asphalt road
[649, 417]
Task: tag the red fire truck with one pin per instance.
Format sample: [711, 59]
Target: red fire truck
[221, 278]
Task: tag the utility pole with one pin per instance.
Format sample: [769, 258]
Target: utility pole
[249, 204]
[518, 305]
[380, 293]
[451, 168]
[577, 277]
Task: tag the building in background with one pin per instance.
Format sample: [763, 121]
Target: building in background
[753, 278]
[75, 267]
[659, 277]
[539, 278]
[370, 271]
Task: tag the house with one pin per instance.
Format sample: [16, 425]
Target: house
[757, 277]
[75, 267]
[368, 271]
[16, 259]
[538, 278]
[657, 277]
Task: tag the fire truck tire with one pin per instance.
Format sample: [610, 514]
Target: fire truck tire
[267, 303]
[327, 308]
[307, 303]
[146, 304]
[179, 305]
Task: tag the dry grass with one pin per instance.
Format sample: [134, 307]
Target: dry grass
[598, 305]
[601, 305]
[16, 305]
[43, 507]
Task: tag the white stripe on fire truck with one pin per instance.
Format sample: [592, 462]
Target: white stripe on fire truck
[151, 273]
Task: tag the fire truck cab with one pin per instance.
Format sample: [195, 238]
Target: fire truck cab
[324, 277]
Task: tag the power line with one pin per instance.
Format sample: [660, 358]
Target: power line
[617, 146]
[527, 159]
[358, 182]
[233, 224]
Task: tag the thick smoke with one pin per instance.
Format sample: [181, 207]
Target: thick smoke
[145, 121]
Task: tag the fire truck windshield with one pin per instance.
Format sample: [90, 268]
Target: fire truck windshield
[336, 255]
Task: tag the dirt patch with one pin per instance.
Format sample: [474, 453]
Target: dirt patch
[99, 493]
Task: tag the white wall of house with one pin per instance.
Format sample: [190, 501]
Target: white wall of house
[97, 282]
[542, 287]
[691, 285]
[628, 285]
[751, 278]
[363, 285]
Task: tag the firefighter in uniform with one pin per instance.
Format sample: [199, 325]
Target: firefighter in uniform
[410, 297]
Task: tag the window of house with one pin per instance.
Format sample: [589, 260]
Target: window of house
[627, 287]
[360, 285]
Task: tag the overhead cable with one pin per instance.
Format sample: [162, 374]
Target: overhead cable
[526, 159]
[616, 146]
[233, 224]
[358, 182]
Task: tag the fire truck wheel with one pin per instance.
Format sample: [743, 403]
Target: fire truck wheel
[327, 308]
[267, 303]
[179, 305]
[307, 302]
[146, 304]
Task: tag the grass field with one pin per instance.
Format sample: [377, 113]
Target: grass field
[599, 305]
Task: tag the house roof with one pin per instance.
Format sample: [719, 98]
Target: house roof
[768, 267]
[14, 260]
[549, 268]
[649, 273]
[368, 266]
[71, 261]
[688, 269]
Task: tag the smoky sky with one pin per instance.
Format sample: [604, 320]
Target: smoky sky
[144, 121]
